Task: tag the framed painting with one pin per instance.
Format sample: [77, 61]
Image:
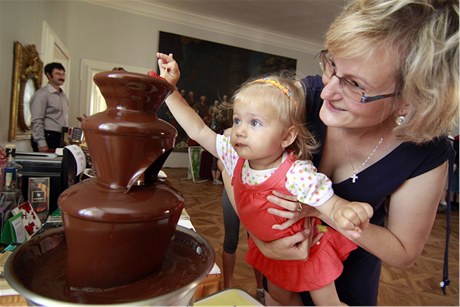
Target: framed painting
[210, 73]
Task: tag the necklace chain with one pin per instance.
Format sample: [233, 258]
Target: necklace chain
[354, 177]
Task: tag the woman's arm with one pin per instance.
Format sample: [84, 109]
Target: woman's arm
[412, 211]
[411, 215]
[187, 118]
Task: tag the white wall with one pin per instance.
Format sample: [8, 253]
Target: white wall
[105, 34]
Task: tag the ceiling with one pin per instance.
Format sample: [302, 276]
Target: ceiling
[306, 20]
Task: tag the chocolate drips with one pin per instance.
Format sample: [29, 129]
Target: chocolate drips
[117, 244]
[118, 232]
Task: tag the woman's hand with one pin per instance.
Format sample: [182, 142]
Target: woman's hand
[292, 212]
[294, 247]
[297, 246]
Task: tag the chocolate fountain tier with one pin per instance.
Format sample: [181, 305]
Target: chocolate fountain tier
[119, 225]
[132, 91]
[123, 146]
[37, 270]
[128, 140]
[142, 203]
[116, 238]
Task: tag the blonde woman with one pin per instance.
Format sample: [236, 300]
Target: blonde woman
[387, 99]
[269, 149]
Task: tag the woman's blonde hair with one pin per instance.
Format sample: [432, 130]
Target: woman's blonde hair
[286, 95]
[423, 36]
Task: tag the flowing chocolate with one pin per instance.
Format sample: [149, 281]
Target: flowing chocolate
[120, 244]
[118, 226]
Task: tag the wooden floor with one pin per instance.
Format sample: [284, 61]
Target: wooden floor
[418, 286]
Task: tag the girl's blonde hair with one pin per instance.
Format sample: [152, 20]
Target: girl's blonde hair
[422, 35]
[286, 95]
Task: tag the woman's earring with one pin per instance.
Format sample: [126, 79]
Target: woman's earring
[400, 119]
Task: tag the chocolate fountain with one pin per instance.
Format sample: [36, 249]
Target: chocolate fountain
[120, 243]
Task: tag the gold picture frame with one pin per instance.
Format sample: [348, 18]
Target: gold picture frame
[27, 78]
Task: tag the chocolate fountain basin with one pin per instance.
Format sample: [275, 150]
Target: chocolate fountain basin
[37, 270]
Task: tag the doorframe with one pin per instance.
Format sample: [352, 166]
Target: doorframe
[54, 50]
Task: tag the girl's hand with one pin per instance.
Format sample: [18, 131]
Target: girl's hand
[168, 68]
[353, 217]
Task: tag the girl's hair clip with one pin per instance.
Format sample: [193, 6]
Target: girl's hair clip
[275, 83]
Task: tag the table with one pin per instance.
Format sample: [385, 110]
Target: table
[228, 297]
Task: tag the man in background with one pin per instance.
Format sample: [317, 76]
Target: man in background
[49, 109]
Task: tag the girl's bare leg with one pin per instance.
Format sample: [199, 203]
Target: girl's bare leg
[326, 296]
[269, 301]
[283, 296]
[260, 292]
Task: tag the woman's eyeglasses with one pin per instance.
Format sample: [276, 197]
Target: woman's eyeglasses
[350, 89]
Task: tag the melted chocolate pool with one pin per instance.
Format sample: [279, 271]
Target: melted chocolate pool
[39, 266]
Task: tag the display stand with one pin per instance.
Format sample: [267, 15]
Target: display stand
[194, 157]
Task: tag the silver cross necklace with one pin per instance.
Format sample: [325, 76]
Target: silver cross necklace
[354, 177]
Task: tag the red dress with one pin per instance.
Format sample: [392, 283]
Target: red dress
[324, 264]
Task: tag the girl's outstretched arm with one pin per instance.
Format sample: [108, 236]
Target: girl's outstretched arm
[187, 118]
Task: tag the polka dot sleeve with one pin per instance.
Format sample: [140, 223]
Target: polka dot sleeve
[226, 153]
[310, 187]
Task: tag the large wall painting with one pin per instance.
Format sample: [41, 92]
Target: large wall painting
[210, 73]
